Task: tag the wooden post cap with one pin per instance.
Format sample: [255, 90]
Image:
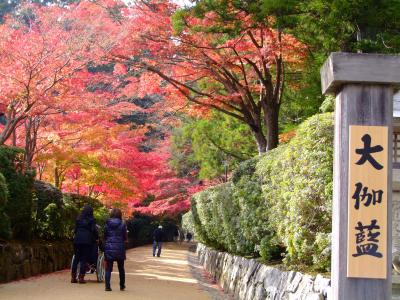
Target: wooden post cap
[341, 67]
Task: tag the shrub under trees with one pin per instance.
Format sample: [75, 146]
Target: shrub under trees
[33, 209]
[280, 202]
[20, 187]
[5, 229]
[297, 186]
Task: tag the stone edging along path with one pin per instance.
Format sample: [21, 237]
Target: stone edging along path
[19, 261]
[247, 279]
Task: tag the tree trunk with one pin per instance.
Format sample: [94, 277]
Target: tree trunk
[260, 140]
[12, 121]
[56, 178]
[14, 138]
[32, 125]
[272, 125]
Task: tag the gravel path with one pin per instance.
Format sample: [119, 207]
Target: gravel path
[173, 276]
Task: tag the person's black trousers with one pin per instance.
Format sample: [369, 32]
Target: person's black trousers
[82, 255]
[121, 270]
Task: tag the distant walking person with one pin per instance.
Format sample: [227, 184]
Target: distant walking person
[85, 237]
[189, 237]
[176, 235]
[181, 237]
[158, 237]
[115, 236]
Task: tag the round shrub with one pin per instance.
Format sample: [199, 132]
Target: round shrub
[47, 211]
[45, 194]
[253, 219]
[210, 218]
[232, 217]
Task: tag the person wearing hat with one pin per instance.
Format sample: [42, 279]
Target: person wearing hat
[158, 237]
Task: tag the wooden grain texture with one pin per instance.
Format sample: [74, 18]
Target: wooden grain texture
[357, 105]
[361, 68]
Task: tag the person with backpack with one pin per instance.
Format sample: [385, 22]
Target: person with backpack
[115, 236]
[158, 238]
[85, 237]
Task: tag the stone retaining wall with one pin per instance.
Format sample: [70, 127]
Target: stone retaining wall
[19, 261]
[247, 279]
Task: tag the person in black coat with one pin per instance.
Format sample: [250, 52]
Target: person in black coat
[115, 235]
[158, 238]
[85, 237]
[189, 236]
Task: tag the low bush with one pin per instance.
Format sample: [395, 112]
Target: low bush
[231, 216]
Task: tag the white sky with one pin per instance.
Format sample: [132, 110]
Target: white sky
[179, 2]
[182, 2]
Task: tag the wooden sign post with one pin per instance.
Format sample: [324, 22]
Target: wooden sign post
[361, 228]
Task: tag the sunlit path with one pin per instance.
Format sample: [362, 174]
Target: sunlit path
[170, 277]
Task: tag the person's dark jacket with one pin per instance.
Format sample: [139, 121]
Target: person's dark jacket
[115, 236]
[158, 235]
[85, 231]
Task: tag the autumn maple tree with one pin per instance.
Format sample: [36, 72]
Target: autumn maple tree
[64, 93]
[44, 52]
[238, 71]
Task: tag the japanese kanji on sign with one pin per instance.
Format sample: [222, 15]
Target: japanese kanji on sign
[367, 202]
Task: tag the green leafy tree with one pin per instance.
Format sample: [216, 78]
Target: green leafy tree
[325, 26]
[207, 146]
[350, 25]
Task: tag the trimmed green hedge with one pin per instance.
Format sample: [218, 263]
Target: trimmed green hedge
[232, 217]
[297, 187]
[279, 203]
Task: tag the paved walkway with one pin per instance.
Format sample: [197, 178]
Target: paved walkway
[173, 276]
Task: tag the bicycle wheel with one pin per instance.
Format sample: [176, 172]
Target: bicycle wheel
[100, 270]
